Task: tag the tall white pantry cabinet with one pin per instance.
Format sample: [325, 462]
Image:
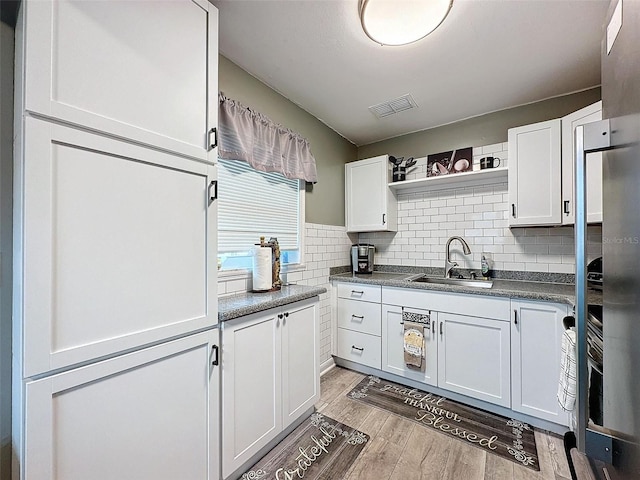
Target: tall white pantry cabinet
[115, 302]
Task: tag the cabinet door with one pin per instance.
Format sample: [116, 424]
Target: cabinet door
[370, 204]
[117, 246]
[474, 357]
[592, 113]
[393, 342]
[142, 71]
[251, 387]
[535, 174]
[300, 359]
[149, 414]
[536, 344]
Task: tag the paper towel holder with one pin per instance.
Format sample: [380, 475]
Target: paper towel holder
[274, 265]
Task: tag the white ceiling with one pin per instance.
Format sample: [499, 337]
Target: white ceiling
[487, 55]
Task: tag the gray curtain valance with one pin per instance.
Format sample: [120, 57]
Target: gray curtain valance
[266, 146]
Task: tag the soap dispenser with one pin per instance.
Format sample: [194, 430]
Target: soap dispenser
[485, 265]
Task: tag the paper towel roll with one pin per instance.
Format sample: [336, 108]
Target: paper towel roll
[262, 268]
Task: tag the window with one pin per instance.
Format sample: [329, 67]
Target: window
[254, 204]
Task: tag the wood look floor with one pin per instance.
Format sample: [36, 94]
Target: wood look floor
[402, 450]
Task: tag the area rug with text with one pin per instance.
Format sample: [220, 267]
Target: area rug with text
[506, 437]
[320, 448]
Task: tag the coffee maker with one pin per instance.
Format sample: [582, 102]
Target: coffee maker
[362, 258]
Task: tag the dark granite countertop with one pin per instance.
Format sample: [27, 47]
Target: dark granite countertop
[241, 304]
[551, 292]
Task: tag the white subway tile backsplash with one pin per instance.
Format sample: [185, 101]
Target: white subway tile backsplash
[480, 215]
[425, 221]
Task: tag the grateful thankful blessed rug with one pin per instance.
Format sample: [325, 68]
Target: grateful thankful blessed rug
[319, 449]
[508, 438]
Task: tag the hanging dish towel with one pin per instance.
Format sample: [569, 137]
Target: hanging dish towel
[567, 384]
[414, 350]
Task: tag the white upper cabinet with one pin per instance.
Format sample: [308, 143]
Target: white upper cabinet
[140, 71]
[535, 174]
[369, 202]
[117, 246]
[592, 113]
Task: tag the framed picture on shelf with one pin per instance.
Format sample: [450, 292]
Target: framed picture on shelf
[447, 163]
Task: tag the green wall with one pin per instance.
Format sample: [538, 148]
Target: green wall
[324, 201]
[483, 130]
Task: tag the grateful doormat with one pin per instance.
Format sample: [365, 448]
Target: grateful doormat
[321, 448]
[508, 438]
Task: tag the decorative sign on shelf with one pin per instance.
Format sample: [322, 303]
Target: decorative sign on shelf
[447, 163]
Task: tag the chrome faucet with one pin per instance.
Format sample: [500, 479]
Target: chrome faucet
[448, 264]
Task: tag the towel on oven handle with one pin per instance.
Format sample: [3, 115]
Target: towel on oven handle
[567, 383]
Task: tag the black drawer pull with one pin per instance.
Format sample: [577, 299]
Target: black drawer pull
[361, 317]
[361, 349]
[357, 292]
[216, 360]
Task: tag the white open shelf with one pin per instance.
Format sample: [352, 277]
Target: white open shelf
[479, 177]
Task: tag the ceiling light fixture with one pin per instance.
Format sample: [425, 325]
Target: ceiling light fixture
[400, 22]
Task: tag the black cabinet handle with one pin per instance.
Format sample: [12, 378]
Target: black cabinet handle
[515, 317]
[513, 210]
[566, 207]
[286, 314]
[383, 218]
[213, 138]
[357, 292]
[361, 349]
[280, 316]
[441, 329]
[216, 358]
[212, 191]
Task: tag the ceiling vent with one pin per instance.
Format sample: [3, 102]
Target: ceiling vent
[400, 104]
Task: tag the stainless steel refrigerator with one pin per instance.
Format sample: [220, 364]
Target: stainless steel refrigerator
[612, 435]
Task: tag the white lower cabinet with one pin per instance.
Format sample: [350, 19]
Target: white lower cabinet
[270, 377]
[536, 343]
[359, 324]
[153, 413]
[499, 350]
[467, 355]
[393, 351]
[474, 357]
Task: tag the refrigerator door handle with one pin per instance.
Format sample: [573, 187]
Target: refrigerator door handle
[590, 138]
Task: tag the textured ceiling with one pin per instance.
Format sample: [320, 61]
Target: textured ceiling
[487, 55]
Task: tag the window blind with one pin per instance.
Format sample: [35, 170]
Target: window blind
[254, 204]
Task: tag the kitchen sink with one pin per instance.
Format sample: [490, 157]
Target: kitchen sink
[463, 282]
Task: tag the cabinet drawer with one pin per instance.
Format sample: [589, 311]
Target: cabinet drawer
[357, 291]
[359, 347]
[484, 306]
[362, 317]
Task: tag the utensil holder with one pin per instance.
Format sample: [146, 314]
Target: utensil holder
[399, 173]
